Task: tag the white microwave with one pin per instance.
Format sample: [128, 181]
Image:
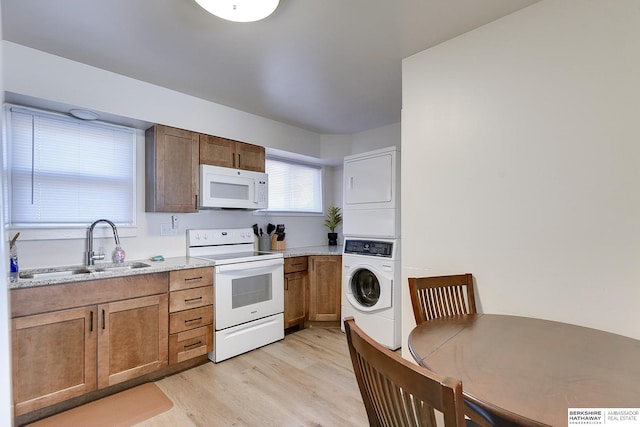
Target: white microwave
[229, 188]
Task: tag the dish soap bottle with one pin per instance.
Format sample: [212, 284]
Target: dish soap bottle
[118, 255]
[14, 270]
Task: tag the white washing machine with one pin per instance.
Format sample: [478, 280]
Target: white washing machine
[371, 290]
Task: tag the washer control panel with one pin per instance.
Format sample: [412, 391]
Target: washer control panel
[369, 247]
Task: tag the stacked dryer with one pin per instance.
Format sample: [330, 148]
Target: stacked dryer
[371, 273]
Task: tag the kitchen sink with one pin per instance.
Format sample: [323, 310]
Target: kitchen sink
[71, 271]
[125, 266]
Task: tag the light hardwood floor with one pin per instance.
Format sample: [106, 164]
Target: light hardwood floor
[304, 380]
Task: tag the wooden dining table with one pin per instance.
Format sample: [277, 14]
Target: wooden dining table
[531, 371]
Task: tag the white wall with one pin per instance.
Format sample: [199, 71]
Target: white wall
[72, 83]
[520, 163]
[6, 412]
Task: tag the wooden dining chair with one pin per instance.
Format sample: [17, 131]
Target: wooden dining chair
[397, 392]
[441, 296]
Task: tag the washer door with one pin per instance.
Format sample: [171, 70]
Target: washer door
[368, 291]
[365, 287]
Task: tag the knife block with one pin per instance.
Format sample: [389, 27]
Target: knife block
[277, 245]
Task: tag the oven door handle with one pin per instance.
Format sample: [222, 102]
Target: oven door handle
[250, 265]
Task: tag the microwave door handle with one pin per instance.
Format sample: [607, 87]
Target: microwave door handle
[255, 191]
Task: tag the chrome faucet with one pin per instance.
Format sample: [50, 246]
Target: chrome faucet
[91, 256]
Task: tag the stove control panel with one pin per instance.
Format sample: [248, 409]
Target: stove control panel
[219, 236]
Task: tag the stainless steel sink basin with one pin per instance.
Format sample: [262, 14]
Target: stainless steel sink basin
[69, 271]
[52, 273]
[125, 266]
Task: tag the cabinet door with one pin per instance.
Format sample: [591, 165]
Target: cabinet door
[172, 157]
[369, 180]
[132, 338]
[217, 151]
[250, 157]
[324, 287]
[294, 299]
[54, 357]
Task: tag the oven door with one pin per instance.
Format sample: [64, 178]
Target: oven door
[248, 291]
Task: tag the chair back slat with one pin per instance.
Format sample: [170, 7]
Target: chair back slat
[397, 393]
[440, 296]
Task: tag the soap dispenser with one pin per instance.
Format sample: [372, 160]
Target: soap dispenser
[118, 255]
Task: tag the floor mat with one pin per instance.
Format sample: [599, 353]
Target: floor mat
[118, 410]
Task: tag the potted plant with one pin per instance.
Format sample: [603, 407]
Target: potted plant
[334, 218]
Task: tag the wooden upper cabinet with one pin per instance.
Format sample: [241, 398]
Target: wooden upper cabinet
[228, 153]
[172, 159]
[250, 157]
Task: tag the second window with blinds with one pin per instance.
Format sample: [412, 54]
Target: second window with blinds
[294, 187]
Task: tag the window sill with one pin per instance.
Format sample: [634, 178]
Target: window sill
[100, 232]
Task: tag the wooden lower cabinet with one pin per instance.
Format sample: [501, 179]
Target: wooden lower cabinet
[296, 291]
[54, 357]
[325, 287]
[190, 313]
[71, 339]
[295, 307]
[132, 338]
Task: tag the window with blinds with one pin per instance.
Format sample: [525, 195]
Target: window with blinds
[294, 187]
[68, 172]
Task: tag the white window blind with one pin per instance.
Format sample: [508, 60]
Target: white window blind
[294, 187]
[65, 171]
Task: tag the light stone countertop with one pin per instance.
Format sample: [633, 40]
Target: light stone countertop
[174, 263]
[312, 250]
[169, 264]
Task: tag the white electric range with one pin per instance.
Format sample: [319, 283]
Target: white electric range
[248, 289]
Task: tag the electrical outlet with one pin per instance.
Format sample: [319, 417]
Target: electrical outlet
[167, 230]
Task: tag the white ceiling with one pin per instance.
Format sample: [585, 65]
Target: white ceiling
[329, 66]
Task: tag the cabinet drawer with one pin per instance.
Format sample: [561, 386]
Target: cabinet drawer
[295, 264]
[190, 278]
[190, 319]
[190, 298]
[189, 344]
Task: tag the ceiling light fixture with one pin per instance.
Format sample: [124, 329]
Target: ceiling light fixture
[240, 10]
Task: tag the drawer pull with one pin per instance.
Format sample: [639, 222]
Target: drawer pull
[195, 344]
[193, 278]
[192, 300]
[199, 319]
